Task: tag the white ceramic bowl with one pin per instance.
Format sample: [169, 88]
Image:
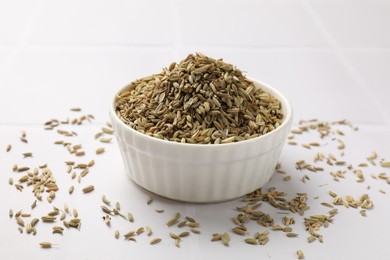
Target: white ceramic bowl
[202, 172]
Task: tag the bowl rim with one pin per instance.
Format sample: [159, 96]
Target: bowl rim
[284, 101]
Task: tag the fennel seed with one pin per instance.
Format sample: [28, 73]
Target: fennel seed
[155, 241]
[46, 245]
[88, 189]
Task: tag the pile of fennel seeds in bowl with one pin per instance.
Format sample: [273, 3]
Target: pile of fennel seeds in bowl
[199, 100]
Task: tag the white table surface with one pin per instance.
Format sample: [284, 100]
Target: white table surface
[330, 58]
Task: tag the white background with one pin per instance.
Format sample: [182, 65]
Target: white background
[330, 58]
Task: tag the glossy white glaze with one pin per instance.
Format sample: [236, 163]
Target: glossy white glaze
[198, 172]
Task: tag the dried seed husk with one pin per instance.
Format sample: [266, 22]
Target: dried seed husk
[107, 220]
[28, 228]
[149, 200]
[58, 230]
[34, 222]
[155, 241]
[66, 224]
[129, 234]
[177, 242]
[66, 208]
[75, 109]
[251, 241]
[107, 130]
[10, 181]
[193, 224]
[88, 189]
[28, 154]
[46, 245]
[9, 147]
[81, 165]
[311, 239]
[105, 140]
[300, 254]
[160, 210]
[75, 223]
[105, 200]
[291, 234]
[385, 164]
[239, 231]
[140, 230]
[75, 213]
[23, 169]
[71, 189]
[130, 217]
[118, 206]
[76, 146]
[106, 210]
[19, 221]
[53, 213]
[174, 236]
[195, 231]
[216, 237]
[84, 172]
[100, 150]
[97, 135]
[182, 223]
[117, 212]
[48, 218]
[327, 205]
[225, 239]
[149, 231]
[20, 230]
[24, 178]
[287, 229]
[34, 204]
[116, 234]
[25, 215]
[10, 213]
[91, 163]
[190, 219]
[184, 234]
[173, 220]
[341, 144]
[52, 195]
[80, 153]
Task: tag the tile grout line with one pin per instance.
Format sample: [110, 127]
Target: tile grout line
[347, 64]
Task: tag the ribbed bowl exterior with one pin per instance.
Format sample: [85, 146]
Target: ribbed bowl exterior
[201, 173]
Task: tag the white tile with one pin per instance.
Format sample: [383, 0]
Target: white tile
[46, 83]
[4, 54]
[104, 22]
[317, 83]
[374, 69]
[247, 23]
[356, 24]
[14, 17]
